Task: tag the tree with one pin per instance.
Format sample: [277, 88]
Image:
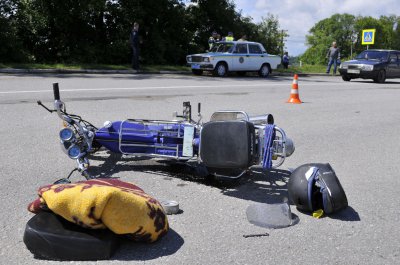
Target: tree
[270, 35]
[339, 28]
[385, 35]
[346, 30]
[396, 29]
[11, 49]
[207, 16]
[97, 31]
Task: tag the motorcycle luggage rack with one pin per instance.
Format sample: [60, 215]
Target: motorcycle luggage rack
[154, 149]
[229, 115]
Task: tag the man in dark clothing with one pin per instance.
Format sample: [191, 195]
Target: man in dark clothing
[333, 55]
[134, 42]
[285, 60]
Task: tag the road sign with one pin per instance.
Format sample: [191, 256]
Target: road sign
[368, 36]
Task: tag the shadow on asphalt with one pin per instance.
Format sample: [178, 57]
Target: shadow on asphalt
[266, 186]
[372, 82]
[259, 185]
[348, 214]
[166, 246]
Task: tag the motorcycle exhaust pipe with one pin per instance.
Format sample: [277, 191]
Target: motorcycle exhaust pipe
[262, 119]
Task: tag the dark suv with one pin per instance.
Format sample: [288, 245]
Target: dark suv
[372, 64]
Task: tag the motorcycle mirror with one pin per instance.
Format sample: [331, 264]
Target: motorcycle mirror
[62, 181]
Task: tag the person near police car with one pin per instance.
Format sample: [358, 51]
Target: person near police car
[213, 39]
[285, 60]
[134, 43]
[229, 37]
[333, 56]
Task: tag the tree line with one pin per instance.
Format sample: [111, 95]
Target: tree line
[97, 31]
[346, 30]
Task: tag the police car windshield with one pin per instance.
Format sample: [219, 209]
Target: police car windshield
[373, 55]
[222, 47]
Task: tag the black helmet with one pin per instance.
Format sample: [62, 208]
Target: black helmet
[315, 186]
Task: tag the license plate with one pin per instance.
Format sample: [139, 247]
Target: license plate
[195, 66]
[353, 71]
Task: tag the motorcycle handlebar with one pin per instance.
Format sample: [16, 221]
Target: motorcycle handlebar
[56, 91]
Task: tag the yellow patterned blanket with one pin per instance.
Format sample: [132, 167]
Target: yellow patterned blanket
[122, 207]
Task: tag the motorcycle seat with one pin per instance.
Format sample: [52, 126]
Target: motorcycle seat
[228, 144]
[49, 236]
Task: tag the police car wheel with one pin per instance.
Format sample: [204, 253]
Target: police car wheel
[221, 70]
[264, 71]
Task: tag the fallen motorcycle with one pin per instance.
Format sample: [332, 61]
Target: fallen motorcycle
[226, 147]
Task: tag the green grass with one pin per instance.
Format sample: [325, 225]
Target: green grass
[63, 66]
[165, 68]
[152, 68]
[305, 68]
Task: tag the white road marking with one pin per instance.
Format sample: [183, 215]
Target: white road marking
[149, 88]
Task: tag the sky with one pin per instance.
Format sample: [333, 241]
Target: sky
[299, 16]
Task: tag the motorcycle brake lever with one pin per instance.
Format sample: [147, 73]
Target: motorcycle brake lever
[41, 104]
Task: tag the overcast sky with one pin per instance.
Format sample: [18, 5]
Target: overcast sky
[298, 16]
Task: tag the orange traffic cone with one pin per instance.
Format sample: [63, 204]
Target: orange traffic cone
[294, 93]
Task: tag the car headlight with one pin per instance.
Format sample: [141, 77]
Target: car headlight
[367, 67]
[74, 152]
[189, 59]
[206, 59]
[343, 66]
[67, 135]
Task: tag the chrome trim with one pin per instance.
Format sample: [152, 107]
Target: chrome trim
[228, 115]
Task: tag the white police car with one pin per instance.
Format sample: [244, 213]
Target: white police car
[234, 56]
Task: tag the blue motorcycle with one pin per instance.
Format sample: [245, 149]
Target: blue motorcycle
[226, 147]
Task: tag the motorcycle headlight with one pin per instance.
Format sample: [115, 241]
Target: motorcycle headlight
[74, 152]
[367, 67]
[206, 59]
[289, 147]
[67, 135]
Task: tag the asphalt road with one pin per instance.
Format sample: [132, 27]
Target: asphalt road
[352, 125]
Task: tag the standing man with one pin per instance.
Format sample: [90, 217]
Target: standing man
[134, 42]
[333, 55]
[285, 60]
[229, 37]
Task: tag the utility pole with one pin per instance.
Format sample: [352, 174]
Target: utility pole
[353, 40]
[283, 34]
